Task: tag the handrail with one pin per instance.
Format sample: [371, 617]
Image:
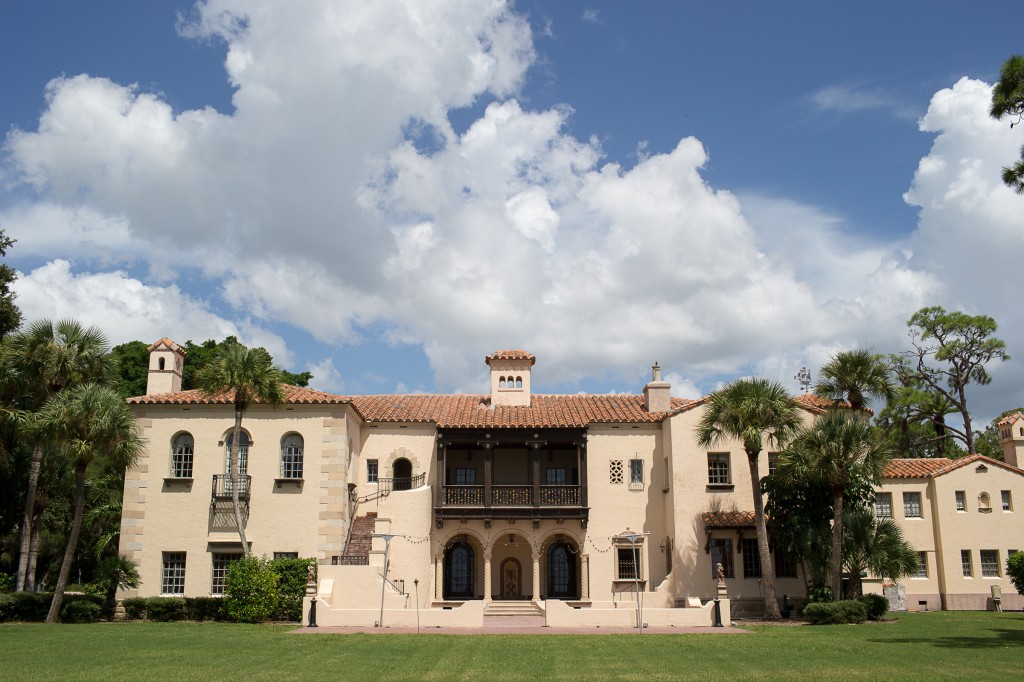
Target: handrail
[401, 482]
[222, 487]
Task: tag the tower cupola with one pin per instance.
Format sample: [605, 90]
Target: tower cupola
[166, 361]
[510, 377]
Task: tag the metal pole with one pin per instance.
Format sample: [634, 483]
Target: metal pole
[718, 614]
[636, 575]
[416, 584]
[384, 579]
[312, 613]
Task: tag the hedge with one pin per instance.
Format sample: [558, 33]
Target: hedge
[836, 613]
[33, 606]
[876, 604]
[80, 612]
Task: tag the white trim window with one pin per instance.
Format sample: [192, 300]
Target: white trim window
[1007, 500]
[922, 565]
[372, 470]
[965, 563]
[883, 505]
[221, 562]
[291, 456]
[173, 574]
[989, 563]
[719, 469]
[182, 453]
[912, 505]
[961, 500]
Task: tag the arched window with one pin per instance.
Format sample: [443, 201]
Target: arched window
[243, 462]
[519, 382]
[291, 456]
[182, 449]
[501, 382]
[459, 576]
[401, 474]
[161, 362]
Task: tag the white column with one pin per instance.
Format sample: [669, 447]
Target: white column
[487, 576]
[584, 576]
[536, 577]
[438, 576]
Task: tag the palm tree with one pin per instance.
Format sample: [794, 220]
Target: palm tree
[89, 423]
[876, 545]
[41, 361]
[250, 376]
[856, 376]
[838, 450]
[752, 411]
[118, 573]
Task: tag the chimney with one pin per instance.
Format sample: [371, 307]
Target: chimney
[166, 360]
[656, 393]
[510, 377]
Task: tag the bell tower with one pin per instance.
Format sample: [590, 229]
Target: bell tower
[1011, 437]
[166, 360]
[510, 377]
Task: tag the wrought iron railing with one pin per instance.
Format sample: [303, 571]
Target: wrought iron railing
[345, 560]
[464, 495]
[401, 483]
[222, 488]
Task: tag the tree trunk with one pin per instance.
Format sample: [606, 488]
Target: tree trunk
[26, 517]
[234, 465]
[771, 604]
[33, 552]
[836, 561]
[69, 553]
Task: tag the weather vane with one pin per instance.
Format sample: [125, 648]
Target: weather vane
[804, 378]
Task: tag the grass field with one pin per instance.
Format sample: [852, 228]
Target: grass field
[940, 645]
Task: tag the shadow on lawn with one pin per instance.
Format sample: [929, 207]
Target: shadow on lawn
[1001, 638]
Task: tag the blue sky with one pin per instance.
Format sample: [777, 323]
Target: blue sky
[385, 193]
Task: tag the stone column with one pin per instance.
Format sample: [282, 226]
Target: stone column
[439, 576]
[487, 576]
[536, 576]
[584, 576]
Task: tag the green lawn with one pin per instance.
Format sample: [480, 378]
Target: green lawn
[981, 646]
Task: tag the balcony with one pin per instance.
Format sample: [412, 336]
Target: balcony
[222, 488]
[401, 483]
[512, 496]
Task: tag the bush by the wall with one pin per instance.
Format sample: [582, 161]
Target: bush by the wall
[32, 607]
[291, 588]
[80, 612]
[876, 604]
[818, 594]
[836, 613]
[250, 590]
[204, 608]
[134, 608]
[165, 608]
[6, 582]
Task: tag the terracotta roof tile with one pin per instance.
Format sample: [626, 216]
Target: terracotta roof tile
[293, 395]
[511, 355]
[1010, 418]
[729, 519]
[937, 466]
[166, 342]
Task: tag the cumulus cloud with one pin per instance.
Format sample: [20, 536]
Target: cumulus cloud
[337, 198]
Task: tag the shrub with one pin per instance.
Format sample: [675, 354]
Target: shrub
[291, 587]
[134, 608]
[165, 608]
[1015, 570]
[80, 612]
[6, 582]
[250, 594]
[204, 608]
[835, 613]
[24, 606]
[876, 604]
[819, 594]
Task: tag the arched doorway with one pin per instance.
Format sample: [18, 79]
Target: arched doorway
[459, 573]
[511, 579]
[401, 472]
[562, 573]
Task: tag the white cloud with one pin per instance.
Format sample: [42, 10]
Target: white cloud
[326, 376]
[592, 16]
[846, 99]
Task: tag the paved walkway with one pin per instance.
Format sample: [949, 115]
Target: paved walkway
[517, 630]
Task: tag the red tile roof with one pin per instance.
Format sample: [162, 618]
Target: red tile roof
[729, 519]
[937, 466]
[167, 343]
[293, 395]
[476, 411]
[1010, 418]
[511, 355]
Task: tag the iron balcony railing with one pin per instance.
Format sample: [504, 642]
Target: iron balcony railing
[512, 496]
[222, 488]
[401, 483]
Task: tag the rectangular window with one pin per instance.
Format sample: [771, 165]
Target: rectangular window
[181, 464]
[636, 471]
[965, 563]
[990, 563]
[286, 555]
[173, 579]
[291, 457]
[785, 565]
[555, 476]
[465, 476]
[961, 500]
[883, 505]
[718, 468]
[1007, 501]
[220, 571]
[371, 471]
[751, 558]
[922, 565]
[912, 505]
[627, 563]
[721, 553]
[773, 462]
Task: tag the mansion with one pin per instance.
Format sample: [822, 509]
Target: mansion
[450, 509]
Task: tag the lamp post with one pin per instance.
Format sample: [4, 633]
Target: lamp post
[416, 584]
[387, 537]
[633, 537]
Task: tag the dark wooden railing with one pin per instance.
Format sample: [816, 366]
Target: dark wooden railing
[464, 495]
[512, 496]
[222, 486]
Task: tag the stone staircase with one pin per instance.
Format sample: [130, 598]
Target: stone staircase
[360, 540]
[513, 614]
